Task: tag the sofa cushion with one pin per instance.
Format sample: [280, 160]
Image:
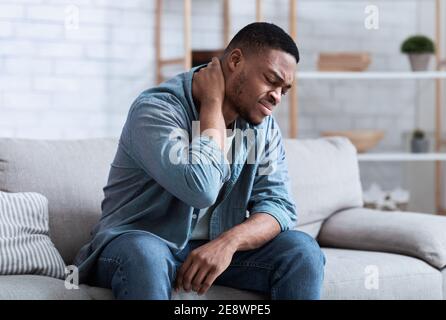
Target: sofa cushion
[70, 174]
[97, 293]
[355, 274]
[219, 293]
[214, 293]
[415, 234]
[25, 246]
[31, 287]
[443, 273]
[324, 178]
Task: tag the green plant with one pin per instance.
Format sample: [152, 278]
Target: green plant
[418, 134]
[418, 44]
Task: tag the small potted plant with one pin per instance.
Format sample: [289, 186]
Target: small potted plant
[419, 48]
[419, 142]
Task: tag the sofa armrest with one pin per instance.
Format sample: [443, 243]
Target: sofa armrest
[414, 234]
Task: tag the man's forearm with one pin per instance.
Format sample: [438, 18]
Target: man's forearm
[253, 233]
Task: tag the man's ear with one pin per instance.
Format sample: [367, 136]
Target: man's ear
[235, 59]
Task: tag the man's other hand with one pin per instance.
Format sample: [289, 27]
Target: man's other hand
[204, 265]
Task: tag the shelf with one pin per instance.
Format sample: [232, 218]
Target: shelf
[371, 75]
[402, 156]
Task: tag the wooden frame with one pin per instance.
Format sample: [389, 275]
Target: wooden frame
[439, 188]
[187, 59]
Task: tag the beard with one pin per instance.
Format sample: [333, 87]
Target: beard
[236, 99]
[247, 116]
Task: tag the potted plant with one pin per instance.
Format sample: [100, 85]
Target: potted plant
[419, 48]
[419, 142]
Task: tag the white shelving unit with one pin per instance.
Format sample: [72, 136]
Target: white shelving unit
[437, 157]
[437, 76]
[371, 75]
[400, 157]
[391, 156]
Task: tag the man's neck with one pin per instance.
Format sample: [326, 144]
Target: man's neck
[228, 113]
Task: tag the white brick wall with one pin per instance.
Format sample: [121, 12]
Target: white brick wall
[113, 50]
[71, 83]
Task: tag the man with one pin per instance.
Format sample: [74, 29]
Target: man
[177, 213]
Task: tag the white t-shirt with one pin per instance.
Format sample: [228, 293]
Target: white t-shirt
[201, 231]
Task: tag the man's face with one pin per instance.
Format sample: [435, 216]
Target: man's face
[258, 82]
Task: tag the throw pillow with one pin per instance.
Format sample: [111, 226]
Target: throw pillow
[25, 245]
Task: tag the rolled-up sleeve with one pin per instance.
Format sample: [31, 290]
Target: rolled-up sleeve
[271, 192]
[190, 169]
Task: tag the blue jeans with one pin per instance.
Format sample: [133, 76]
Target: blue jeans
[138, 265]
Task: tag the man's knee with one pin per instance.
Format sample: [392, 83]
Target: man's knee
[144, 267]
[139, 249]
[300, 249]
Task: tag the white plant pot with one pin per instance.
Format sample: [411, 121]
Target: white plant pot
[419, 61]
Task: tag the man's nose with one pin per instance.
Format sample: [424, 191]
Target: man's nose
[276, 96]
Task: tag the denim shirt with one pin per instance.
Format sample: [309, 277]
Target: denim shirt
[164, 172]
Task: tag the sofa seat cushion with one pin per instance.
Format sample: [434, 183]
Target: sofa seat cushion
[443, 273]
[214, 293]
[350, 274]
[97, 293]
[218, 293]
[32, 287]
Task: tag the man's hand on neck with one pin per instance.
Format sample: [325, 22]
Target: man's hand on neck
[208, 87]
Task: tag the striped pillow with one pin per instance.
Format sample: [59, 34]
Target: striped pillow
[25, 245]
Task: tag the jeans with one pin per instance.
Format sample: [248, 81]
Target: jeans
[137, 265]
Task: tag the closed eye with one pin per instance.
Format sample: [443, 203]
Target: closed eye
[270, 81]
[276, 84]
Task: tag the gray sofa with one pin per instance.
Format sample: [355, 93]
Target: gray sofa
[370, 254]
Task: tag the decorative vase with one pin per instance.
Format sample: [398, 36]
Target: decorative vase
[420, 145]
[419, 61]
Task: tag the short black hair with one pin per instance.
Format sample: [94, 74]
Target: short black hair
[260, 35]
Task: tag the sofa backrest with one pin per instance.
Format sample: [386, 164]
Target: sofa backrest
[324, 178]
[72, 174]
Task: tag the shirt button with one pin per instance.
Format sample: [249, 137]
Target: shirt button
[194, 216]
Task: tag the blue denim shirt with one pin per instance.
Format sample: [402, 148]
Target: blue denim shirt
[163, 173]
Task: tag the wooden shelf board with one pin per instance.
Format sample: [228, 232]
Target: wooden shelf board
[171, 61]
